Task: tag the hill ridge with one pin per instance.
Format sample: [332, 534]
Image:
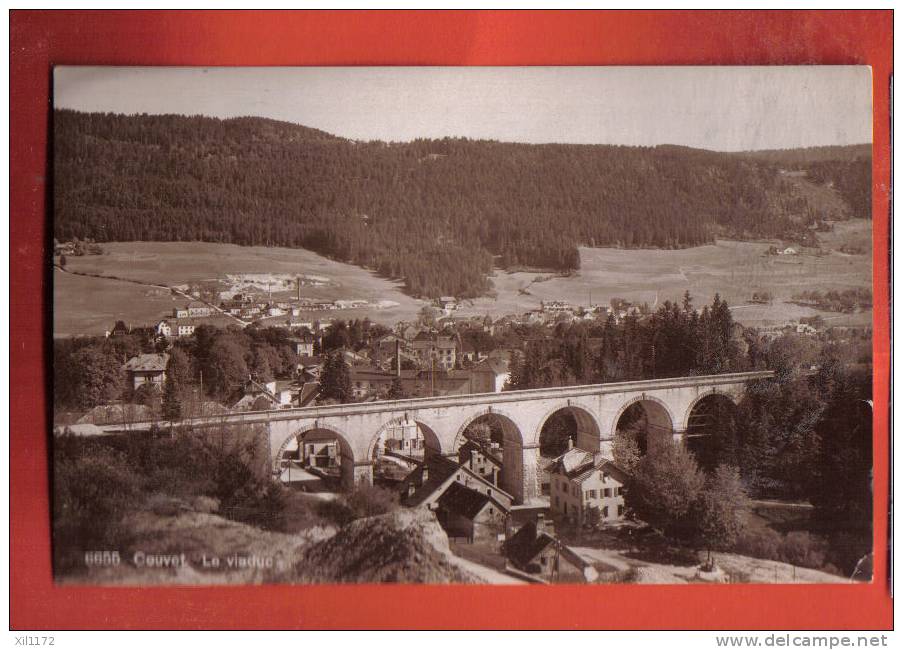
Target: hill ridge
[436, 213]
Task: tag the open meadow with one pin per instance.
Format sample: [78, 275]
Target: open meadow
[88, 305]
[732, 268]
[84, 305]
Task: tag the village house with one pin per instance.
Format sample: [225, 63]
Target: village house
[309, 368]
[163, 328]
[433, 350]
[307, 393]
[322, 454]
[293, 324]
[466, 513]
[435, 383]
[119, 329]
[183, 327]
[470, 353]
[352, 358]
[482, 459]
[490, 376]
[447, 303]
[199, 310]
[446, 352]
[475, 508]
[367, 381]
[403, 439]
[264, 396]
[555, 306]
[586, 487]
[175, 328]
[424, 486]
[423, 345]
[115, 413]
[146, 369]
[537, 552]
[303, 344]
[193, 408]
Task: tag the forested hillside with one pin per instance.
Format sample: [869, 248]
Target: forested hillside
[438, 213]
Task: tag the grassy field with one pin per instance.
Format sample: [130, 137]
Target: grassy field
[735, 269]
[91, 305]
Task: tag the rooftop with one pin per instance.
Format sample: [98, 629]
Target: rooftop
[147, 363]
[466, 501]
[579, 464]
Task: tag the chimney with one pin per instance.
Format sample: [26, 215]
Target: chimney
[540, 524]
[424, 474]
[298, 281]
[570, 443]
[397, 358]
[411, 489]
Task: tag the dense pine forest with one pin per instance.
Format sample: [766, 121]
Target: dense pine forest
[437, 213]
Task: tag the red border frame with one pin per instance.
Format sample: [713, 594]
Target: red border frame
[39, 39]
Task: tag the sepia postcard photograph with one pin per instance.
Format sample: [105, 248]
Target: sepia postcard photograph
[479, 325]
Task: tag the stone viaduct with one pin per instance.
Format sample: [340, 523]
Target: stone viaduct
[668, 404]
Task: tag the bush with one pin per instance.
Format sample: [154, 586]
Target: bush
[798, 548]
[760, 542]
[365, 501]
[803, 549]
[91, 495]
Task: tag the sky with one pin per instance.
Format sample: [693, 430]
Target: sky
[720, 108]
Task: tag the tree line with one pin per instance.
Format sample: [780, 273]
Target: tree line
[438, 214]
[675, 340]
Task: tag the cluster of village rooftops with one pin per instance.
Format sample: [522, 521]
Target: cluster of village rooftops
[581, 489]
[423, 361]
[428, 361]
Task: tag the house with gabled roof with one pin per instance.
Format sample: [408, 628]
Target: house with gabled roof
[116, 413]
[465, 503]
[586, 487]
[484, 459]
[264, 396]
[490, 375]
[465, 512]
[535, 551]
[429, 481]
[147, 369]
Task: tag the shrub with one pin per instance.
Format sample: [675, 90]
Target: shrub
[91, 495]
[365, 501]
[798, 548]
[759, 542]
[803, 549]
